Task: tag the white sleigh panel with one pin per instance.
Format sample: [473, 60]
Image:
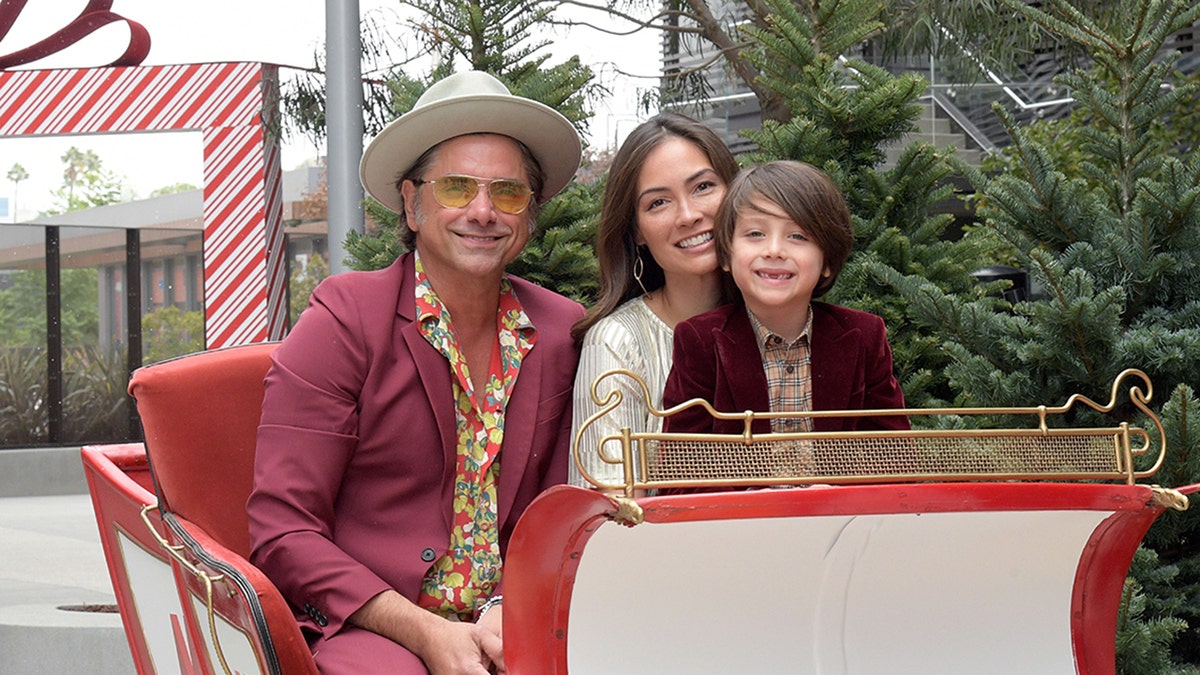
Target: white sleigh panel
[924, 578]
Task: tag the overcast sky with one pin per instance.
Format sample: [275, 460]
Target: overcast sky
[284, 32]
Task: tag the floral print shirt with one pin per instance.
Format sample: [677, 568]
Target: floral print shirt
[462, 579]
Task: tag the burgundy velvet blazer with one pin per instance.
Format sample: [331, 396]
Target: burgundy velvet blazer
[354, 473]
[717, 359]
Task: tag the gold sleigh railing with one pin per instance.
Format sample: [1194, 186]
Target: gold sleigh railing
[1039, 452]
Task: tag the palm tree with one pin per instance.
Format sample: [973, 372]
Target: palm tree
[79, 163]
[16, 174]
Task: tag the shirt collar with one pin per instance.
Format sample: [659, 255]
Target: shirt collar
[431, 309]
[768, 339]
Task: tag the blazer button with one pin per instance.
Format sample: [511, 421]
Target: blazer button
[428, 555]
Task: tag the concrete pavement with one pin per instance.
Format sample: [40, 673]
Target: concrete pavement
[50, 558]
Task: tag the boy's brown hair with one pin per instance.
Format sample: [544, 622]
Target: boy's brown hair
[806, 195]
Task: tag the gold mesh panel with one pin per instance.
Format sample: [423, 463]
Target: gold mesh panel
[1046, 450]
[689, 460]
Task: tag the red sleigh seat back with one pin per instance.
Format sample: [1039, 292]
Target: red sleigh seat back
[200, 416]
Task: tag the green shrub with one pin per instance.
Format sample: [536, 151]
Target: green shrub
[95, 404]
[171, 332]
[23, 418]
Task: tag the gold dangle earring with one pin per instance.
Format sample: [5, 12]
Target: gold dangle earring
[638, 268]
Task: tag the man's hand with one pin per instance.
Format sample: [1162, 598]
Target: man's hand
[455, 648]
[446, 647]
[489, 634]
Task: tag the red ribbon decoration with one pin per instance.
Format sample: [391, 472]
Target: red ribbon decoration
[94, 16]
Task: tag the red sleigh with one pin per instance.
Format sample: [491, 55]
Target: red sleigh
[970, 552]
[190, 601]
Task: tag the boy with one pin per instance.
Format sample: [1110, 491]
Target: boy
[783, 232]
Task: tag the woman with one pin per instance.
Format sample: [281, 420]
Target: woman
[658, 266]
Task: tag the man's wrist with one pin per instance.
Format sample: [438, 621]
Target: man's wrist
[491, 602]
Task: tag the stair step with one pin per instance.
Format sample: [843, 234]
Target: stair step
[972, 156]
[930, 125]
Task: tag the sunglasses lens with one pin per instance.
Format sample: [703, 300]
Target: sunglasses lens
[454, 192]
[509, 196]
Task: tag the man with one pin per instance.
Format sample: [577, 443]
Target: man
[414, 412]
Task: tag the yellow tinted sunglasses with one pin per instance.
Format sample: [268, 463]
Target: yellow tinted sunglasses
[454, 192]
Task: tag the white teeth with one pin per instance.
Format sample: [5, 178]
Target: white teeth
[696, 240]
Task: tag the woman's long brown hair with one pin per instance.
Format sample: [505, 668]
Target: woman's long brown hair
[616, 249]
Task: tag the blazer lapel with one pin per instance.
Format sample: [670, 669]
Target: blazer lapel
[741, 364]
[434, 372]
[835, 355]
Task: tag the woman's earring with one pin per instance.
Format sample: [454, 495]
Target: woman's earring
[638, 268]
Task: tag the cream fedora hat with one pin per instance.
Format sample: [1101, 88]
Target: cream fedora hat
[470, 102]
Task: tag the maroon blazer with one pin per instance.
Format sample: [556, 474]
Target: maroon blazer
[354, 473]
[717, 359]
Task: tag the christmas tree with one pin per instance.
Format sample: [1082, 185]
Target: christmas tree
[1104, 213]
